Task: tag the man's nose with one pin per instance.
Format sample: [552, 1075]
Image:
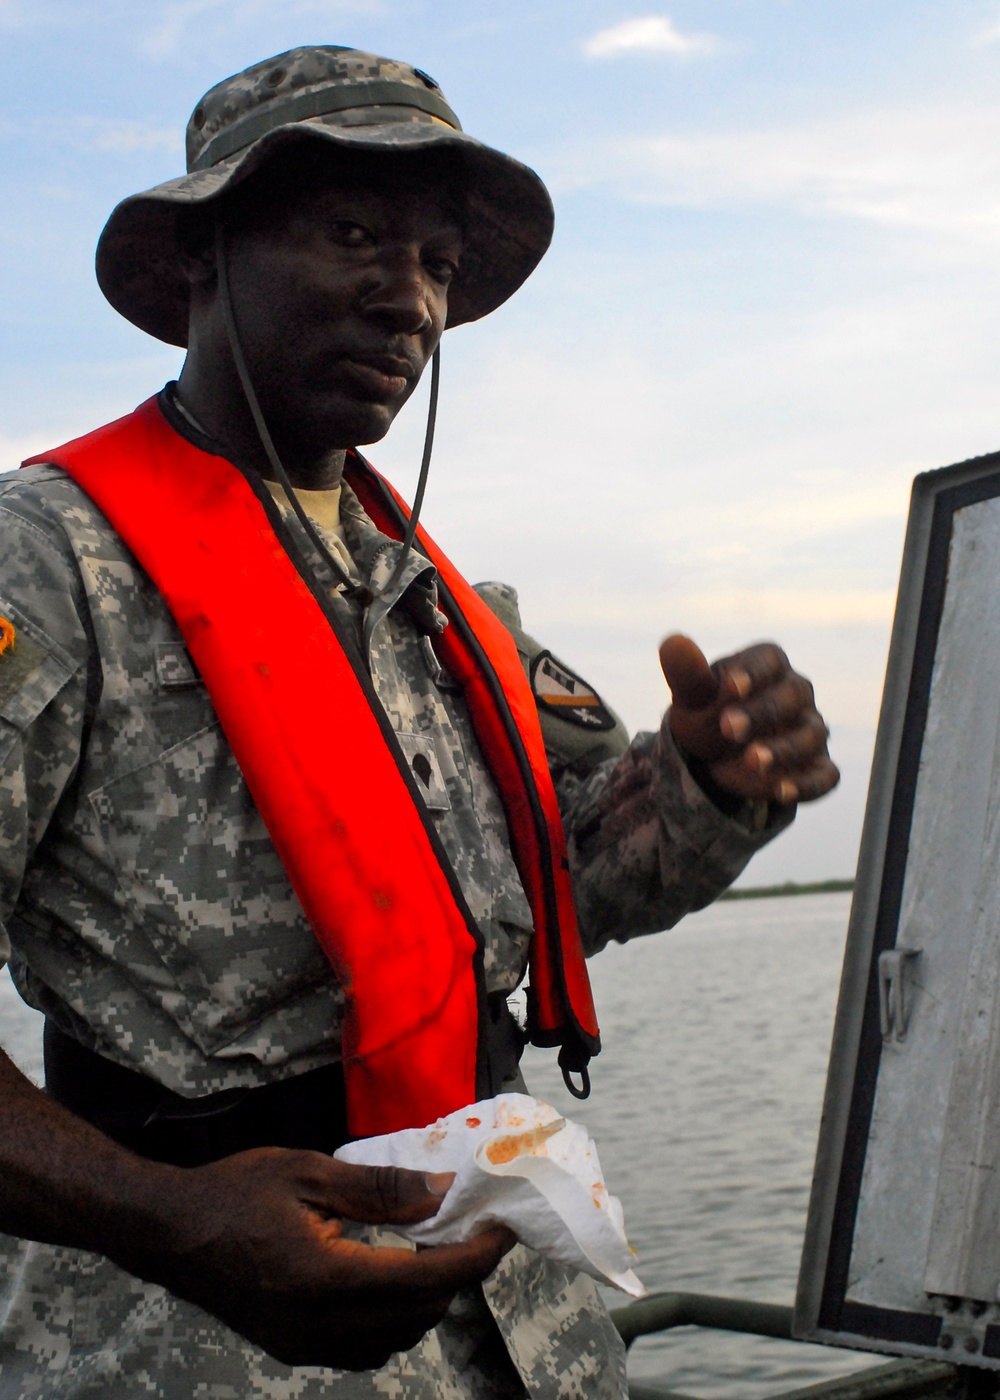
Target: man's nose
[403, 297]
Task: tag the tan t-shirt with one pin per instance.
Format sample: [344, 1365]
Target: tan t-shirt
[323, 509]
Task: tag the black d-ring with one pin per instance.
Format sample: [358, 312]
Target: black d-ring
[573, 1060]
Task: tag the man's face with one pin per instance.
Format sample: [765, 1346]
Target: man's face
[340, 294]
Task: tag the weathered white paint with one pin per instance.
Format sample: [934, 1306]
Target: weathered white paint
[937, 1112]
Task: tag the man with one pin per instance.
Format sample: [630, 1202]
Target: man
[278, 836]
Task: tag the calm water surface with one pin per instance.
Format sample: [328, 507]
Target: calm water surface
[705, 1110]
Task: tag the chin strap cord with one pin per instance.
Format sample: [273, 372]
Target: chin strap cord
[360, 591]
[249, 393]
[425, 466]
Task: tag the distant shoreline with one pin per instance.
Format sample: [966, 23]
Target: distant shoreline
[789, 887]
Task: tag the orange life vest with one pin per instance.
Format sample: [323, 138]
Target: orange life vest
[323, 765]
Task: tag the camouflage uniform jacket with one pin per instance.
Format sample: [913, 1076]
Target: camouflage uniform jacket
[144, 909]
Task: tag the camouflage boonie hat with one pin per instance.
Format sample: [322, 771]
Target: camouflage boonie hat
[350, 99]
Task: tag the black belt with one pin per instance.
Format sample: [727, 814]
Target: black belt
[306, 1111]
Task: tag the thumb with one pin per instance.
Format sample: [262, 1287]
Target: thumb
[388, 1195]
[693, 684]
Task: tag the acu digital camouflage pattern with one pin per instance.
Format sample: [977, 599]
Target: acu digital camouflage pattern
[75, 1327]
[236, 101]
[150, 917]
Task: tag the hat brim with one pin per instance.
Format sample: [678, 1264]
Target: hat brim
[509, 221]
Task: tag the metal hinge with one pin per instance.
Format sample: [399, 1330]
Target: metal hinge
[893, 1006]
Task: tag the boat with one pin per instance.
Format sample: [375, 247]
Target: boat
[901, 1255]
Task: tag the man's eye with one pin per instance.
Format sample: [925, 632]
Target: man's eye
[349, 234]
[441, 268]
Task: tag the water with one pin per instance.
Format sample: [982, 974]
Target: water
[705, 1110]
[20, 1031]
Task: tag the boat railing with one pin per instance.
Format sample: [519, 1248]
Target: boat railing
[893, 1380]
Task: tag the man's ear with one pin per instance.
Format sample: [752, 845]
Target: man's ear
[196, 245]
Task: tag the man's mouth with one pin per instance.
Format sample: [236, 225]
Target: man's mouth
[383, 376]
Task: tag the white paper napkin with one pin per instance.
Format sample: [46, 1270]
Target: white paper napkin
[517, 1163]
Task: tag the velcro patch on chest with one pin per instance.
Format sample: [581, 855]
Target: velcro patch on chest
[560, 691]
[174, 667]
[423, 760]
[20, 658]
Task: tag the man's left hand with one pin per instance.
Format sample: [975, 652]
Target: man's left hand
[751, 720]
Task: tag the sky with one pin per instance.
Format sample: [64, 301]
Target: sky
[771, 300]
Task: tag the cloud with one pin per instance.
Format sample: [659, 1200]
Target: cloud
[656, 34]
[166, 38]
[174, 19]
[782, 607]
[931, 168]
[14, 449]
[989, 35]
[125, 137]
[31, 14]
[787, 607]
[13, 15]
[95, 134]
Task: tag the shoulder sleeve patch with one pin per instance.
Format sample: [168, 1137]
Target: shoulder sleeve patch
[560, 691]
[33, 668]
